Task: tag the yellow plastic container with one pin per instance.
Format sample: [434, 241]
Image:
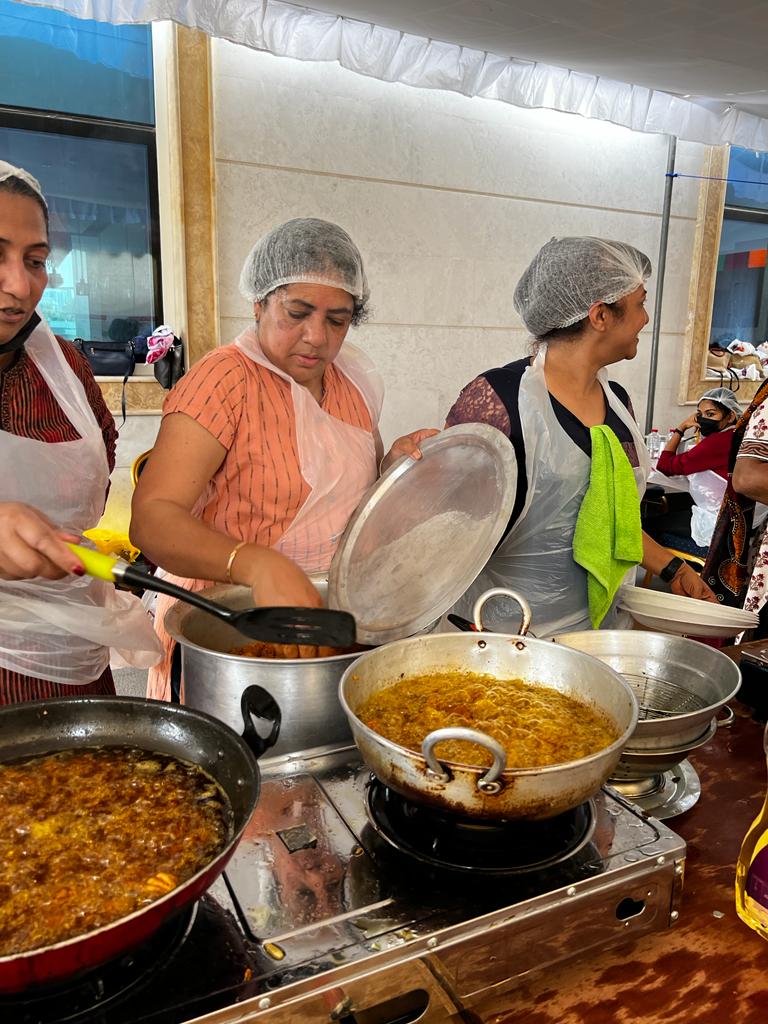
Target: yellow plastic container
[109, 542]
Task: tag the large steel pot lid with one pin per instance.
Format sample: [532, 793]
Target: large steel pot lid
[423, 533]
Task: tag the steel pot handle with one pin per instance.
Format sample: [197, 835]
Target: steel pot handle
[525, 608]
[728, 717]
[486, 783]
[256, 702]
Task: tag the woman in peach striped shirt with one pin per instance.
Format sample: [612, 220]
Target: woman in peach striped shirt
[267, 444]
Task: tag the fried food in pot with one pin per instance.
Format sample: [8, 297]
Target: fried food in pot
[261, 649]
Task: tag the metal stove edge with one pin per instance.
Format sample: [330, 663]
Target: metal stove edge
[655, 880]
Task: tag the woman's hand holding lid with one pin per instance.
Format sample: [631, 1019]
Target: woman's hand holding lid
[688, 583]
[408, 444]
[273, 578]
[31, 545]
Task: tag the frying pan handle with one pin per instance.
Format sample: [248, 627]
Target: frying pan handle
[525, 608]
[255, 702]
[487, 783]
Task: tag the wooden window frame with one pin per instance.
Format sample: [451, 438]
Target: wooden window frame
[185, 185]
[709, 225]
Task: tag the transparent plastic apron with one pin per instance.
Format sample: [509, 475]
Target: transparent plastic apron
[61, 630]
[337, 460]
[707, 490]
[536, 557]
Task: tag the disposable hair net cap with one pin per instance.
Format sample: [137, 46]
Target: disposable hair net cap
[569, 275]
[9, 171]
[304, 251]
[725, 397]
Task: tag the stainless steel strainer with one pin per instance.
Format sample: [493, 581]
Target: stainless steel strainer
[680, 684]
[660, 698]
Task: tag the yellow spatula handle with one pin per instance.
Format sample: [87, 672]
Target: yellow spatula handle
[95, 563]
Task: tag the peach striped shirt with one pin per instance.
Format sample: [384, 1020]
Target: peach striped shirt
[258, 490]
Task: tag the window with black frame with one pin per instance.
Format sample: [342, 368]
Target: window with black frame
[78, 113]
[740, 308]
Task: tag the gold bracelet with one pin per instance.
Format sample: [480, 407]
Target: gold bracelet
[231, 559]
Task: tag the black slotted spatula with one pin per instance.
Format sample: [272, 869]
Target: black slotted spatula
[320, 626]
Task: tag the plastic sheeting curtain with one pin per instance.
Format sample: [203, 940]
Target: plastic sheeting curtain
[291, 31]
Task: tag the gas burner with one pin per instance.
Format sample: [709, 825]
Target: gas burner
[91, 994]
[485, 848]
[663, 795]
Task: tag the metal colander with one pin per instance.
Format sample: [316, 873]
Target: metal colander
[672, 714]
[659, 698]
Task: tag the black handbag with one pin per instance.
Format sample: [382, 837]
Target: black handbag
[110, 359]
[170, 368]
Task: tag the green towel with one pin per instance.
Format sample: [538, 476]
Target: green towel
[608, 538]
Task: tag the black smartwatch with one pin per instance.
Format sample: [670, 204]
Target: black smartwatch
[670, 570]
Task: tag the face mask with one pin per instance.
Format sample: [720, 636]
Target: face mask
[707, 426]
[15, 343]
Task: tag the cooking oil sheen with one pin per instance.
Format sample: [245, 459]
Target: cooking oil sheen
[752, 870]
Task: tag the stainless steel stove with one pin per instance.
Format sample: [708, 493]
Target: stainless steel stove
[344, 921]
[320, 917]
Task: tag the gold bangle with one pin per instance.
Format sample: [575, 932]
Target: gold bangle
[231, 559]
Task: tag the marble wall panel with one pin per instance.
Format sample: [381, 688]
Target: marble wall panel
[448, 198]
[284, 112]
[432, 256]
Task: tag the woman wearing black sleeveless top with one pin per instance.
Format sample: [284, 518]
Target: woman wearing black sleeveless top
[582, 299]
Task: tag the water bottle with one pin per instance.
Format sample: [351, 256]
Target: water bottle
[654, 443]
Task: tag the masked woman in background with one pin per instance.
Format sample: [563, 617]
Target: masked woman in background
[706, 465]
[268, 444]
[57, 448]
[716, 414]
[570, 542]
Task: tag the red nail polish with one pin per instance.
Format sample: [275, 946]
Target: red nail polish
[78, 570]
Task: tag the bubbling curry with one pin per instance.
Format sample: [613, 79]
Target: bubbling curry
[89, 836]
[536, 725]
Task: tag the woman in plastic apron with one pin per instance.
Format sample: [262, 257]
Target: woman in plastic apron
[267, 445]
[55, 633]
[582, 300]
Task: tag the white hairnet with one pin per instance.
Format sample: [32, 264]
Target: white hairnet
[569, 275]
[304, 251]
[724, 396]
[9, 171]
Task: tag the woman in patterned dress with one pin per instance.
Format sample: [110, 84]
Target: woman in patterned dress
[738, 576]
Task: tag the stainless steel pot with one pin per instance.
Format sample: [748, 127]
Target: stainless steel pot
[306, 690]
[478, 792]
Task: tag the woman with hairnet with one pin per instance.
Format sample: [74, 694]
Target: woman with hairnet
[57, 450]
[706, 465]
[582, 463]
[715, 417]
[268, 444]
